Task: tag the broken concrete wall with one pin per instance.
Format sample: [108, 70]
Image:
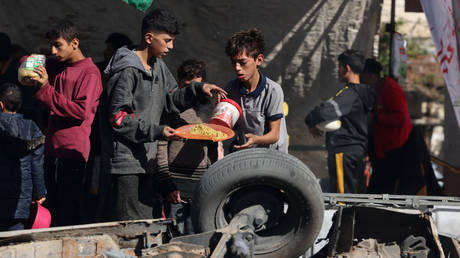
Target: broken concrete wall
[303, 38]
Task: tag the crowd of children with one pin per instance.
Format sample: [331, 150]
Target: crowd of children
[130, 107]
[137, 107]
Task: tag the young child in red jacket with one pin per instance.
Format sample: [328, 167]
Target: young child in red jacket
[391, 127]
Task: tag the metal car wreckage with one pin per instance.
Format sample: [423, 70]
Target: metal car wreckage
[263, 203]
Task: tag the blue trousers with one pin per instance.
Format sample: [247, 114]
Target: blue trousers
[181, 212]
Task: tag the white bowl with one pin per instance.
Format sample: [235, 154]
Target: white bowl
[329, 126]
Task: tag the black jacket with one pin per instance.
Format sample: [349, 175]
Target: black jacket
[352, 105]
[21, 165]
[131, 108]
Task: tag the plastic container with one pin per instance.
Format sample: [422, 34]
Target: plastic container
[26, 70]
[226, 113]
[42, 217]
[329, 126]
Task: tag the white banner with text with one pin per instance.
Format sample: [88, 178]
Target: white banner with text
[443, 21]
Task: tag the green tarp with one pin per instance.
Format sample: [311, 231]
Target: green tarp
[142, 5]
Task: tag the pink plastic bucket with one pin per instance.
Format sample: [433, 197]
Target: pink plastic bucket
[226, 113]
[42, 217]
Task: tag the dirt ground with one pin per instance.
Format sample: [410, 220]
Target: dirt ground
[315, 160]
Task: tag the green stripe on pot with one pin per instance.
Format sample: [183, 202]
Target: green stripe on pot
[142, 5]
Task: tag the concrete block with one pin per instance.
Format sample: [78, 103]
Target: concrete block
[83, 246]
[49, 249]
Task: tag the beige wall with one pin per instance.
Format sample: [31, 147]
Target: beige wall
[414, 24]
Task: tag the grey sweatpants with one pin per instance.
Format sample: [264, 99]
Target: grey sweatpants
[135, 197]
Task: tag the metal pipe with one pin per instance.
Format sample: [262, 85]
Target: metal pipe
[392, 30]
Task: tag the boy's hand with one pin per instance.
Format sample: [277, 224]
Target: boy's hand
[209, 89]
[43, 79]
[41, 200]
[315, 132]
[170, 133]
[174, 197]
[250, 141]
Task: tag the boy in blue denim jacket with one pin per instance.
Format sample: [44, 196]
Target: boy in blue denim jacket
[21, 161]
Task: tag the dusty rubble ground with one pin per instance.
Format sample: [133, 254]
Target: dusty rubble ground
[354, 225]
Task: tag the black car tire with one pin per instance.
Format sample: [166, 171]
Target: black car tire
[278, 181]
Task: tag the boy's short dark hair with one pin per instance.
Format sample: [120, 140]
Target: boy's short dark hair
[190, 69]
[65, 29]
[372, 66]
[354, 58]
[10, 95]
[249, 41]
[118, 40]
[5, 46]
[160, 20]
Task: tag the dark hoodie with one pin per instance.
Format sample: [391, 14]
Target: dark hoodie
[131, 107]
[21, 165]
[352, 106]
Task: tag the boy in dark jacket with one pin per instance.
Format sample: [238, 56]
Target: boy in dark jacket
[139, 88]
[347, 146]
[21, 161]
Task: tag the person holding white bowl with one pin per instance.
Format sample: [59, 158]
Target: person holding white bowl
[344, 118]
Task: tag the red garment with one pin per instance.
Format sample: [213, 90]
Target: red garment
[393, 124]
[72, 101]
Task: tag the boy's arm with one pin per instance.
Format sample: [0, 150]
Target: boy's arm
[274, 113]
[179, 100]
[85, 93]
[122, 115]
[38, 181]
[333, 108]
[269, 138]
[273, 135]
